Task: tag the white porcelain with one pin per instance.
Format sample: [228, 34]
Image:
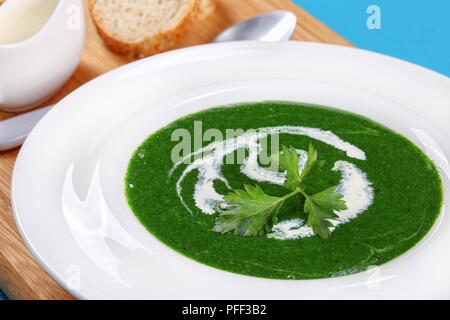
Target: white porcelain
[33, 69]
[68, 189]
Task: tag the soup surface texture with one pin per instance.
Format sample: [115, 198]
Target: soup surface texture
[392, 189]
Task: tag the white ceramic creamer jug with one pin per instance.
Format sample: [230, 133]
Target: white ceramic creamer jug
[41, 42]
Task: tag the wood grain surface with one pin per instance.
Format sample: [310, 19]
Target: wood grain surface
[21, 277]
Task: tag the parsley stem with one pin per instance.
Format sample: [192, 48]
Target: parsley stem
[302, 192]
[293, 193]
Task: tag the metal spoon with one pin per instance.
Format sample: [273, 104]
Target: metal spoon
[14, 131]
[273, 26]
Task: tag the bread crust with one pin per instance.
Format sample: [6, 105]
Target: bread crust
[161, 41]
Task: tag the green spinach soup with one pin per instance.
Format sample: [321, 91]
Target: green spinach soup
[179, 179]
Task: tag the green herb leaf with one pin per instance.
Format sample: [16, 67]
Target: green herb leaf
[312, 165]
[288, 161]
[321, 207]
[251, 212]
[329, 199]
[318, 218]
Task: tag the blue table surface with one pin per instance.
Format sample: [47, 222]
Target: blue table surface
[412, 30]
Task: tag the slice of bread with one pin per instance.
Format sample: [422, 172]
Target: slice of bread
[206, 7]
[139, 28]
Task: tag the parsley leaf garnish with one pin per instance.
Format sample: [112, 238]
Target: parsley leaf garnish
[288, 160]
[320, 208]
[251, 212]
[312, 165]
[329, 199]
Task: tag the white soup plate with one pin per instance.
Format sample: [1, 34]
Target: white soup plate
[68, 183]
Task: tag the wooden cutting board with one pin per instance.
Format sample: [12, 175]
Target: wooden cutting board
[21, 277]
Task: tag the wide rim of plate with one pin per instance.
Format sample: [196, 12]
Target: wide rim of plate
[431, 82]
